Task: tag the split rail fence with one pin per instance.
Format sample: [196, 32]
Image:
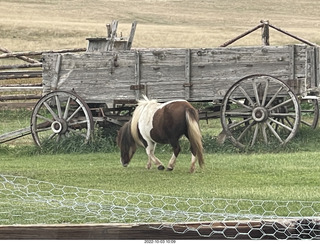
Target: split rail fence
[21, 77]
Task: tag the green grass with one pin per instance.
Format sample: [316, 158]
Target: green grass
[57, 172]
[252, 175]
[263, 172]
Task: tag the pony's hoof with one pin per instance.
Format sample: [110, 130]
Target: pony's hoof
[161, 167]
[169, 169]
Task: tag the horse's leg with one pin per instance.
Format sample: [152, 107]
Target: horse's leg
[193, 163]
[193, 159]
[176, 150]
[150, 151]
[149, 160]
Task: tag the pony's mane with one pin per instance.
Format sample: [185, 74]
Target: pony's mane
[145, 101]
[136, 115]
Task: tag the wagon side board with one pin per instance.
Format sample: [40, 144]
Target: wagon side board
[166, 74]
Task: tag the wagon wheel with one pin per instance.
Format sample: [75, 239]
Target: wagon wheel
[309, 112]
[260, 109]
[59, 115]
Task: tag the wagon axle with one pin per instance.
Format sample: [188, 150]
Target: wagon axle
[59, 127]
[260, 114]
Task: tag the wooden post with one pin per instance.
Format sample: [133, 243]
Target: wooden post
[265, 33]
[56, 73]
[114, 27]
[137, 75]
[108, 30]
[187, 85]
[133, 30]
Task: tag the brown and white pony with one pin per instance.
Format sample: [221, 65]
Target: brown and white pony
[163, 123]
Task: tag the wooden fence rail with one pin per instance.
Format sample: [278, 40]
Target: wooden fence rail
[232, 230]
[24, 90]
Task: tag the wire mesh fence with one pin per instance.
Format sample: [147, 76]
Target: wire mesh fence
[26, 201]
[15, 123]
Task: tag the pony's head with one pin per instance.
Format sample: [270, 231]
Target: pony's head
[126, 144]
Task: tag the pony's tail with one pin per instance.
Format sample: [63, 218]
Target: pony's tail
[194, 134]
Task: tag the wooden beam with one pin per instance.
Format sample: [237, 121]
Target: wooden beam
[20, 97]
[20, 88]
[20, 66]
[34, 53]
[265, 229]
[22, 57]
[20, 75]
[294, 36]
[130, 39]
[241, 36]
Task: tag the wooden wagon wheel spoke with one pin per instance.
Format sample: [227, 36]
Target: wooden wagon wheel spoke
[243, 133]
[233, 125]
[238, 113]
[241, 104]
[275, 133]
[78, 122]
[255, 134]
[255, 91]
[44, 118]
[246, 95]
[55, 116]
[74, 114]
[59, 114]
[265, 93]
[280, 124]
[281, 104]
[264, 133]
[306, 123]
[43, 129]
[260, 109]
[288, 121]
[58, 105]
[274, 97]
[51, 136]
[66, 111]
[310, 112]
[284, 117]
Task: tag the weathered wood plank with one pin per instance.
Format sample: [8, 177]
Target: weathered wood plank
[246, 230]
[20, 75]
[164, 73]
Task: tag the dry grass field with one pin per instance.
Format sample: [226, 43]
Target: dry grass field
[56, 24]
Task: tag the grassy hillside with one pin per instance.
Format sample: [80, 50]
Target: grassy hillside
[48, 24]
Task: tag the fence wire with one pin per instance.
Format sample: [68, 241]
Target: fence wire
[29, 201]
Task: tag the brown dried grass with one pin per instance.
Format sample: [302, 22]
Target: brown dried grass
[30, 25]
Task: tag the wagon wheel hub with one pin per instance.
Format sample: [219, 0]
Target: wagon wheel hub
[260, 114]
[59, 127]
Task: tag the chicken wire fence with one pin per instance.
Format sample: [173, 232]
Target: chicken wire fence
[28, 201]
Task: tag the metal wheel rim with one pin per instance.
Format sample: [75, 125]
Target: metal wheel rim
[256, 116]
[60, 115]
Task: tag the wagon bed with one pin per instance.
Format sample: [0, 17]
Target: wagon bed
[165, 74]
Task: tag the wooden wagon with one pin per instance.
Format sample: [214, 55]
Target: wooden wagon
[260, 93]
